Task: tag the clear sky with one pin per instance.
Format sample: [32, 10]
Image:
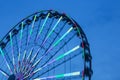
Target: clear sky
[100, 20]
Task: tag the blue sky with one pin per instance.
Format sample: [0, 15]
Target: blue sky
[100, 20]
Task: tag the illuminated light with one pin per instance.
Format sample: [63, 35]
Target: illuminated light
[12, 47]
[33, 23]
[60, 76]
[24, 54]
[52, 30]
[23, 58]
[30, 53]
[78, 31]
[37, 62]
[35, 17]
[22, 67]
[37, 70]
[62, 37]
[83, 75]
[51, 77]
[83, 53]
[11, 43]
[4, 73]
[43, 25]
[36, 79]
[21, 34]
[35, 55]
[72, 50]
[11, 38]
[5, 60]
[1, 52]
[58, 58]
[50, 62]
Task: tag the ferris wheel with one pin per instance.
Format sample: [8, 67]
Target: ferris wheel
[46, 45]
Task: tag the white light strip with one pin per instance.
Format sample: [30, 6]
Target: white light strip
[60, 76]
[5, 60]
[4, 73]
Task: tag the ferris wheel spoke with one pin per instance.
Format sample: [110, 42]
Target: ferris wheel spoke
[30, 54]
[16, 51]
[8, 58]
[34, 57]
[52, 30]
[66, 75]
[24, 55]
[31, 30]
[38, 27]
[4, 73]
[42, 26]
[23, 61]
[20, 42]
[12, 49]
[6, 61]
[27, 70]
[58, 58]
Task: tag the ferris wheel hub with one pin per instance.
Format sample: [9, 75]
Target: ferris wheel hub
[18, 76]
[11, 77]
